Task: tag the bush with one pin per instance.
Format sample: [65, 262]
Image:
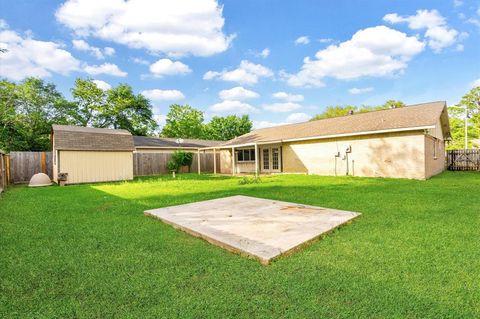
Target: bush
[172, 166]
[249, 180]
[182, 158]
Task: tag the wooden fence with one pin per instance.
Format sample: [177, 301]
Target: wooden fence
[463, 160]
[3, 171]
[156, 163]
[23, 165]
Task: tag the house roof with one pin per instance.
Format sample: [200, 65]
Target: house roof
[69, 137]
[161, 142]
[411, 117]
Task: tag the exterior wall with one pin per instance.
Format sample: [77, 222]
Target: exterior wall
[95, 166]
[225, 162]
[398, 155]
[54, 160]
[434, 156]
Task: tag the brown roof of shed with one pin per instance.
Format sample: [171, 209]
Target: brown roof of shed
[68, 137]
[408, 117]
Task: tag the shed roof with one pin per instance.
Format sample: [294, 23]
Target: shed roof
[406, 118]
[162, 142]
[69, 137]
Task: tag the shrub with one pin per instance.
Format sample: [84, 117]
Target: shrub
[182, 158]
[249, 180]
[172, 166]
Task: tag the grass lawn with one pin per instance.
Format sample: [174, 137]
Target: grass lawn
[88, 251]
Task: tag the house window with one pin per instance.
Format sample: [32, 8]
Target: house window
[266, 158]
[247, 155]
[275, 158]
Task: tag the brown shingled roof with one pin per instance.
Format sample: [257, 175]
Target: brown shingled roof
[163, 142]
[68, 137]
[419, 115]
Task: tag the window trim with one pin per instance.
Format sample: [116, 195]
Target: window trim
[251, 153]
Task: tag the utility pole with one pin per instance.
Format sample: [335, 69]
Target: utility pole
[466, 127]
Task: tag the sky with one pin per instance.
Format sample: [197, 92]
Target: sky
[277, 61]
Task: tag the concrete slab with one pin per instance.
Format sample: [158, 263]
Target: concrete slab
[260, 228]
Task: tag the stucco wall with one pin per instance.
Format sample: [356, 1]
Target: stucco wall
[434, 156]
[93, 166]
[399, 155]
[225, 162]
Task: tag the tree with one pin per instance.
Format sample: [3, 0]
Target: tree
[226, 128]
[128, 111]
[28, 110]
[469, 105]
[91, 104]
[392, 104]
[339, 110]
[183, 121]
[117, 108]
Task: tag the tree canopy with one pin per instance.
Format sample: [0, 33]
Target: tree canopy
[29, 108]
[188, 122]
[469, 106]
[342, 110]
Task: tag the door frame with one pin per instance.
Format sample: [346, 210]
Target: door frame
[270, 149]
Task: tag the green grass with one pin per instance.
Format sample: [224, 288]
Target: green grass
[88, 251]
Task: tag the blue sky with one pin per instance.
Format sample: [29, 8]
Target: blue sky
[277, 61]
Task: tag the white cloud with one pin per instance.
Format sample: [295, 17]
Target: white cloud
[457, 3]
[298, 118]
[236, 107]
[28, 57]
[438, 33]
[237, 93]
[264, 124]
[161, 119]
[172, 27]
[163, 95]
[281, 107]
[140, 61]
[288, 97]
[109, 51]
[168, 67]
[246, 73]
[82, 45]
[105, 68]
[476, 83]
[102, 85]
[325, 40]
[302, 40]
[265, 53]
[376, 51]
[360, 90]
[3, 24]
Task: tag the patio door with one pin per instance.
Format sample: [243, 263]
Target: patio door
[270, 159]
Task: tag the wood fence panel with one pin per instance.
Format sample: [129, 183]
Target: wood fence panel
[23, 165]
[3, 172]
[463, 160]
[156, 163]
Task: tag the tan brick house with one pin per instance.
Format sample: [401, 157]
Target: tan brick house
[407, 142]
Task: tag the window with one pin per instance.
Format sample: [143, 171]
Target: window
[247, 155]
[275, 158]
[266, 158]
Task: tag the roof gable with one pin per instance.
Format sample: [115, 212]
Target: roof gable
[400, 119]
[68, 137]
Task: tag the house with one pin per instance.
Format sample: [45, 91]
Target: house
[91, 154]
[407, 142]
